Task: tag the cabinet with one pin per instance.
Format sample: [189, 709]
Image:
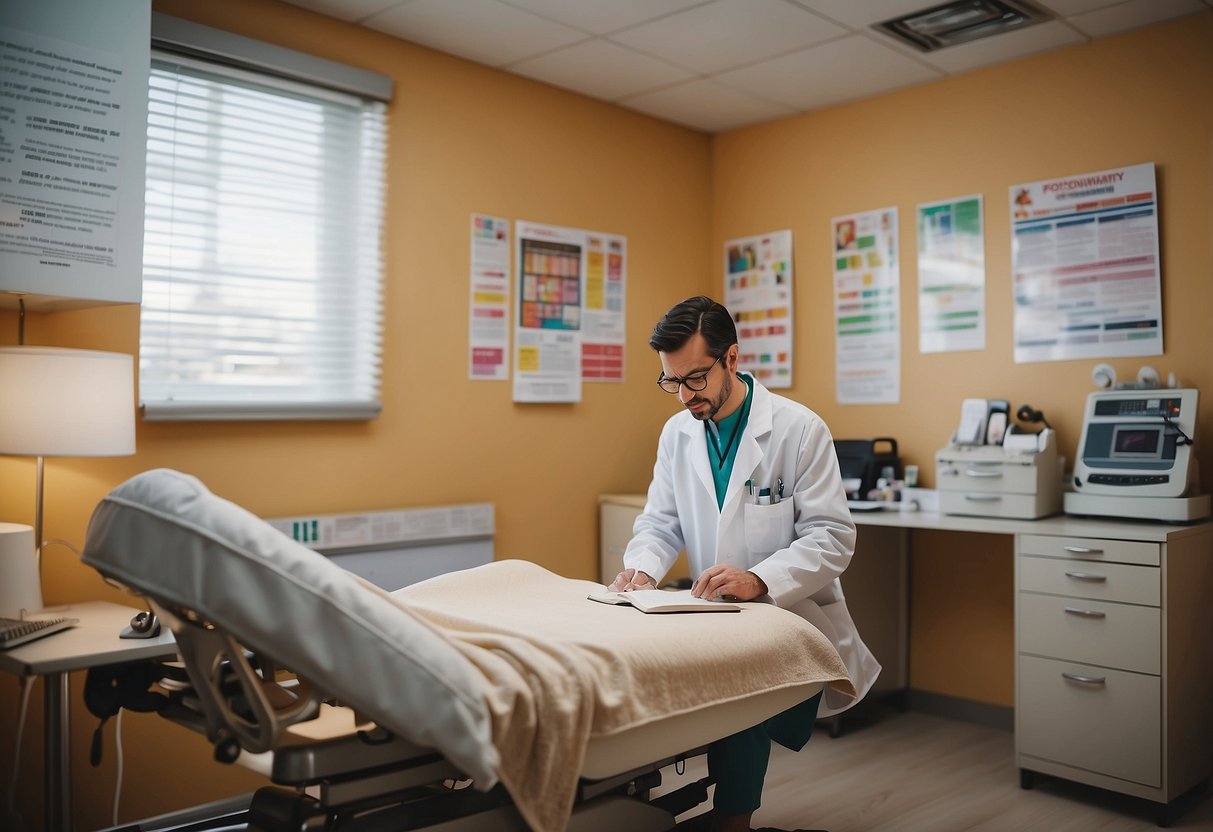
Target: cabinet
[1114, 658]
[616, 514]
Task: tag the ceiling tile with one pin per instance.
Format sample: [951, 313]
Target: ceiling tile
[601, 69]
[729, 33]
[1127, 16]
[1005, 47]
[346, 9]
[841, 70]
[486, 31]
[707, 106]
[601, 17]
[864, 14]
[1065, 8]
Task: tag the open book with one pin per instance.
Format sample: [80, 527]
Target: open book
[660, 600]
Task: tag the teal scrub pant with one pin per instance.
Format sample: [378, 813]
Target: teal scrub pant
[738, 763]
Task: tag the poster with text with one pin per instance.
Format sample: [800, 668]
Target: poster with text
[867, 320]
[1085, 267]
[547, 314]
[489, 300]
[73, 136]
[951, 276]
[603, 319]
[758, 293]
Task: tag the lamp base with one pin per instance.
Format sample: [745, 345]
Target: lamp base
[20, 587]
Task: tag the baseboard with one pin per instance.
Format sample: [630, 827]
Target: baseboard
[965, 710]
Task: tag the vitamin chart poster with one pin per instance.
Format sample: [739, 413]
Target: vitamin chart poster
[547, 314]
[758, 293]
[1085, 266]
[603, 319]
[489, 300]
[867, 302]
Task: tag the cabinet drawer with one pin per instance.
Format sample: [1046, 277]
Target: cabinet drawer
[1087, 579]
[1123, 636]
[1121, 551]
[1110, 724]
[1022, 506]
[978, 476]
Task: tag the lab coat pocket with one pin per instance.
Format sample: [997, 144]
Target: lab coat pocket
[768, 528]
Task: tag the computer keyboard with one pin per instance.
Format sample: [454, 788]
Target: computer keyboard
[14, 631]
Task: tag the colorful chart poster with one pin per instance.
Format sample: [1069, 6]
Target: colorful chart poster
[1085, 266]
[758, 291]
[547, 322]
[489, 300]
[603, 319]
[951, 275]
[867, 298]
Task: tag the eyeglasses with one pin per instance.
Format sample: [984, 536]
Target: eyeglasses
[694, 383]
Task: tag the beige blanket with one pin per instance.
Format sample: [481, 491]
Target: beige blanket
[562, 668]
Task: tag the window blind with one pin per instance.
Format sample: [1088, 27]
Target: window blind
[262, 266]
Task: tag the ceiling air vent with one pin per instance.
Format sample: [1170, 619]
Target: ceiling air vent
[961, 22]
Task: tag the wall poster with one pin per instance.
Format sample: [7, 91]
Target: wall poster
[489, 300]
[1085, 266]
[951, 275]
[867, 298]
[758, 292]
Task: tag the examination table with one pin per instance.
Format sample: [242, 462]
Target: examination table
[495, 698]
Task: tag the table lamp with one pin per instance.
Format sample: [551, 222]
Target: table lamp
[59, 402]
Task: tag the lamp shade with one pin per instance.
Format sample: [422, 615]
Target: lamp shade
[66, 402]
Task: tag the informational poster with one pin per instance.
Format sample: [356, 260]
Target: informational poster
[867, 297]
[547, 314]
[73, 130]
[1085, 266]
[489, 300]
[951, 275]
[603, 319]
[758, 291]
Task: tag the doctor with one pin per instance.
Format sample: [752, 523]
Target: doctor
[786, 546]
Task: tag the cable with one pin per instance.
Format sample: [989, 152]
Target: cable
[10, 809]
[1186, 440]
[118, 779]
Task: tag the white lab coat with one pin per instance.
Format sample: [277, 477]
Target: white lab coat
[798, 547]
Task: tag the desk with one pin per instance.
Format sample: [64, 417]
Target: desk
[1113, 644]
[92, 643]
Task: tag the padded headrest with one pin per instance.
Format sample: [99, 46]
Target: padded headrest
[165, 535]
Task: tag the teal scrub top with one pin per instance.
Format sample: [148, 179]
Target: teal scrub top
[723, 437]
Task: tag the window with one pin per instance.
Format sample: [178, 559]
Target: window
[262, 266]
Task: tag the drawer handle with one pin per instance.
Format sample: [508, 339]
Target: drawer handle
[989, 475]
[1083, 550]
[1086, 680]
[1087, 576]
[1086, 613]
[983, 498]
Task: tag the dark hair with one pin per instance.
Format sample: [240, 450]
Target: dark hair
[699, 314]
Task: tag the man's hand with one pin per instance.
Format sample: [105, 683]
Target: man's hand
[630, 579]
[719, 581]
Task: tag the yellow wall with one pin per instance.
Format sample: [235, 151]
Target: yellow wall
[1145, 96]
[464, 138]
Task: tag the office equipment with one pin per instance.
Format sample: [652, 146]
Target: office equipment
[1135, 456]
[1020, 478]
[15, 631]
[1142, 731]
[93, 642]
[405, 661]
[863, 461]
[64, 402]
